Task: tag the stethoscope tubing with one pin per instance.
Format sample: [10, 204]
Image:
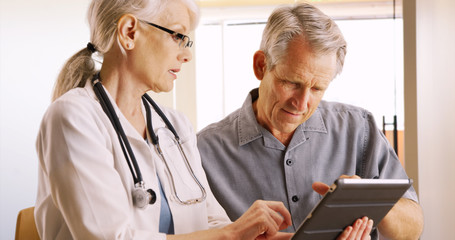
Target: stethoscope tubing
[124, 143]
[155, 141]
[109, 109]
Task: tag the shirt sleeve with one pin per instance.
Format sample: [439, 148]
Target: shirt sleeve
[380, 159]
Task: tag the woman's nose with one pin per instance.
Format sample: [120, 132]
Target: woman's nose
[186, 55]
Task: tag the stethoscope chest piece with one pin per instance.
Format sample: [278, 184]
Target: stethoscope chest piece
[142, 197]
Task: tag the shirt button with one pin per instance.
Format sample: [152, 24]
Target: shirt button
[295, 198]
[289, 162]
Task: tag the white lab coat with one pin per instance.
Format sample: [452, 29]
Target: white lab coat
[85, 184]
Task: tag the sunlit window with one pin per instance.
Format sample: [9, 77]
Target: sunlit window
[372, 76]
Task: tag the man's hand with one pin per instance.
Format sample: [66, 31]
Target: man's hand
[361, 229]
[322, 188]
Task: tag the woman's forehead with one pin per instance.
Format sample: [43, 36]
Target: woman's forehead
[176, 15]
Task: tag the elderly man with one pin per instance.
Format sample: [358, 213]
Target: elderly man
[284, 142]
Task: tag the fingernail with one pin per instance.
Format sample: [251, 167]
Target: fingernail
[358, 223]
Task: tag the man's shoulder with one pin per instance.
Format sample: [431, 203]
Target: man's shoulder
[329, 108]
[336, 114]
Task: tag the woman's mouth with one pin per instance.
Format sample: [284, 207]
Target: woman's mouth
[174, 72]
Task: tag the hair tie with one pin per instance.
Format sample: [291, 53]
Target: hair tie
[91, 47]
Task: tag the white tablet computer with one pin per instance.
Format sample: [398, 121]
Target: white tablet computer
[346, 201]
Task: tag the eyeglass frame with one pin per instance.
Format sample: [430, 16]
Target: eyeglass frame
[182, 37]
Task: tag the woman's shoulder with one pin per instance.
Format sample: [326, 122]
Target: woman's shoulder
[73, 104]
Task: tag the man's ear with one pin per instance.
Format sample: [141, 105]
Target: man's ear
[126, 28]
[259, 64]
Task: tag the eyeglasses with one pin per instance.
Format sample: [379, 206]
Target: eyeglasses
[184, 40]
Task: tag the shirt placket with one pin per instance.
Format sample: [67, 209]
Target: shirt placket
[292, 188]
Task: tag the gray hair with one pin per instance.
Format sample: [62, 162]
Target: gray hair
[319, 31]
[102, 18]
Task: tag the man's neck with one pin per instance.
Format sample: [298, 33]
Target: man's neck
[284, 138]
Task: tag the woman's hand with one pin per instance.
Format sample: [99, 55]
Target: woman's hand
[262, 220]
[278, 236]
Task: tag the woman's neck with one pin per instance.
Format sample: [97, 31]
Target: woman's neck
[127, 95]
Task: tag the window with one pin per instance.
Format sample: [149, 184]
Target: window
[372, 76]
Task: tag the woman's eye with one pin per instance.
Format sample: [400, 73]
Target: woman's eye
[176, 38]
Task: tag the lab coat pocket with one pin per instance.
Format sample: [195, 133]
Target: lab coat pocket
[179, 165]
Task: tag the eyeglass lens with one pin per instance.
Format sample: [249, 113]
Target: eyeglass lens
[186, 42]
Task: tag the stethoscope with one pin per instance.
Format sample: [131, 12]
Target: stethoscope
[142, 196]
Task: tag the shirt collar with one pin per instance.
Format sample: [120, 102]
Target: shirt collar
[249, 129]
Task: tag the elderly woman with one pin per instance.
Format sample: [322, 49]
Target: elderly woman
[111, 165]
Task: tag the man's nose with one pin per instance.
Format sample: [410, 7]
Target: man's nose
[301, 99]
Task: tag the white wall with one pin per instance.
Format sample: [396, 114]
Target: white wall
[430, 86]
[436, 115]
[36, 38]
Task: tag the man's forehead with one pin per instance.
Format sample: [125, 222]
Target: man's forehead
[302, 63]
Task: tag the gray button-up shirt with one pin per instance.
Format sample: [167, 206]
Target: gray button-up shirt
[245, 162]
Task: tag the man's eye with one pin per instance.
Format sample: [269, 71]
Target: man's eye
[292, 84]
[320, 88]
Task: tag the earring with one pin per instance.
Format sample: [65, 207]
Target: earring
[129, 46]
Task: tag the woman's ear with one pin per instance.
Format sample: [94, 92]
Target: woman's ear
[259, 64]
[126, 28]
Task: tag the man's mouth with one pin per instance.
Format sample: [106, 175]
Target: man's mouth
[291, 113]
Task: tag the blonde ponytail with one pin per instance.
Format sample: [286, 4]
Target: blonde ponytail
[102, 18]
[75, 73]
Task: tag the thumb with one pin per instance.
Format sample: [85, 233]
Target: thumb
[320, 187]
